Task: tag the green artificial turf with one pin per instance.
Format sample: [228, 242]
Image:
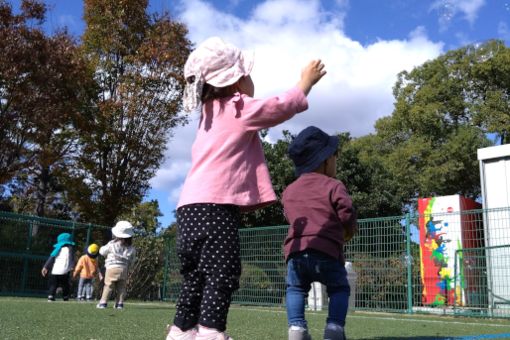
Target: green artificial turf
[30, 318]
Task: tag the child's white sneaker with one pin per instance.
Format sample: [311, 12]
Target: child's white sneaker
[334, 332]
[205, 333]
[175, 333]
[299, 333]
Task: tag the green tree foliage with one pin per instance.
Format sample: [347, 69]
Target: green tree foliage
[146, 274]
[144, 217]
[442, 114]
[255, 282]
[491, 88]
[362, 170]
[138, 62]
[359, 167]
[427, 147]
[281, 170]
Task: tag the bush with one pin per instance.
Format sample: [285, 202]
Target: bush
[255, 286]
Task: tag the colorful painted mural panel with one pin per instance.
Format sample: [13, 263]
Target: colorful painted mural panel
[443, 231]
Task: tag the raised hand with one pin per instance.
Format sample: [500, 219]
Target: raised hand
[310, 75]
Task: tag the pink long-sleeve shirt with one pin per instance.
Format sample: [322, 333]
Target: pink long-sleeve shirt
[227, 158]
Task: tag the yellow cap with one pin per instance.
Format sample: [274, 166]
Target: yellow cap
[93, 249]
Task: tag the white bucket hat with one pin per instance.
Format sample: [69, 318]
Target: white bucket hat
[123, 229]
[214, 62]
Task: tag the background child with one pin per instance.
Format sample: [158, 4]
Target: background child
[321, 217]
[228, 175]
[59, 264]
[87, 268]
[119, 254]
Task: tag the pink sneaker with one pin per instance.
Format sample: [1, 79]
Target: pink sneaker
[205, 333]
[175, 333]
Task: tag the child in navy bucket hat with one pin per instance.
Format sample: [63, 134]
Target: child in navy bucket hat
[322, 218]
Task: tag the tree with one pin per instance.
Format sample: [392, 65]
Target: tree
[147, 271]
[44, 83]
[144, 218]
[467, 86]
[491, 72]
[281, 170]
[361, 167]
[18, 75]
[138, 62]
[440, 119]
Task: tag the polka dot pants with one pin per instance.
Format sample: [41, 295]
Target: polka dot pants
[208, 249]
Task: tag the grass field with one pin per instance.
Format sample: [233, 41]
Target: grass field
[30, 318]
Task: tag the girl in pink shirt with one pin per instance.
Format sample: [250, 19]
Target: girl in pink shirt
[228, 175]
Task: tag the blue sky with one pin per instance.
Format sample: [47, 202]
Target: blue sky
[363, 43]
[455, 22]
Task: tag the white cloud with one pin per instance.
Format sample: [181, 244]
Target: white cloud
[173, 198]
[470, 8]
[504, 31]
[356, 91]
[342, 3]
[448, 9]
[178, 161]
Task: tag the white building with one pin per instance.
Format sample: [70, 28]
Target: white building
[495, 184]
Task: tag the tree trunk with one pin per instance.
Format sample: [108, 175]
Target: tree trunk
[43, 181]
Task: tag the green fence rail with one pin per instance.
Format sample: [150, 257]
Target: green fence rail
[403, 264]
[25, 244]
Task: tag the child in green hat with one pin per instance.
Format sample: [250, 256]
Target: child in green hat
[59, 265]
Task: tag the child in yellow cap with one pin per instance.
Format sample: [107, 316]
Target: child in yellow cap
[87, 268]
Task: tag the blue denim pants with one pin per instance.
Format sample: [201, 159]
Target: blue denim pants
[306, 267]
[85, 288]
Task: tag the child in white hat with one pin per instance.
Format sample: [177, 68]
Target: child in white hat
[120, 255]
[228, 176]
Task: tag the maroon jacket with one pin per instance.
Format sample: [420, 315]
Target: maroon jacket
[318, 209]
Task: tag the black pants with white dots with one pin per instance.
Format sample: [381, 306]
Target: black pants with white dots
[208, 249]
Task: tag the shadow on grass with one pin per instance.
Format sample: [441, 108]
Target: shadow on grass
[413, 338]
[154, 307]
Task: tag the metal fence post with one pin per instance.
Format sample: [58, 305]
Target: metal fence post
[88, 235]
[165, 275]
[455, 268]
[409, 262]
[25, 258]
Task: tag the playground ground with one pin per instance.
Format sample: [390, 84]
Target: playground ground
[33, 318]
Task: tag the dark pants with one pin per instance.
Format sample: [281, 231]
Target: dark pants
[208, 249]
[56, 281]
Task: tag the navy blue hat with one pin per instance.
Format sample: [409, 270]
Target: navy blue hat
[310, 148]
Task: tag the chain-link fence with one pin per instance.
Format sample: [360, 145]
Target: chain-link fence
[404, 264]
[449, 263]
[25, 244]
